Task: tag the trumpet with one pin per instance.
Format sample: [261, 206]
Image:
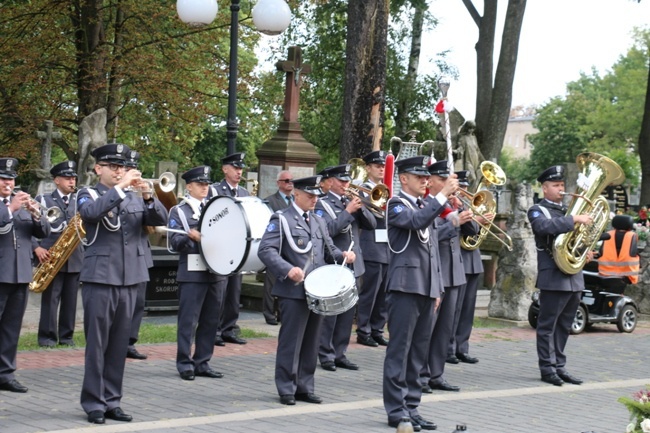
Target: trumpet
[36, 210]
[482, 203]
[165, 183]
[376, 200]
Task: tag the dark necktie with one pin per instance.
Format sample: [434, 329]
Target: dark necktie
[306, 217]
[288, 198]
[419, 203]
[344, 200]
[201, 207]
[233, 191]
[65, 200]
[5, 201]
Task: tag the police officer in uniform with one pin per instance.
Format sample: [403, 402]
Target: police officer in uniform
[560, 293]
[295, 242]
[232, 167]
[448, 226]
[464, 317]
[199, 290]
[59, 300]
[344, 218]
[114, 266]
[132, 161]
[371, 308]
[17, 226]
[414, 289]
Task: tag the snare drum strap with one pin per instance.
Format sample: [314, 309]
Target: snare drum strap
[290, 241]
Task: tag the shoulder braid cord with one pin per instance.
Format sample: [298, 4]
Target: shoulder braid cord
[549, 240]
[422, 235]
[107, 224]
[332, 214]
[183, 218]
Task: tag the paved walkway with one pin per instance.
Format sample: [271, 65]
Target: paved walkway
[500, 394]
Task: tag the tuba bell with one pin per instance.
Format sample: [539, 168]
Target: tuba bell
[596, 172]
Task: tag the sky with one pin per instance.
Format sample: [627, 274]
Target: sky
[559, 39]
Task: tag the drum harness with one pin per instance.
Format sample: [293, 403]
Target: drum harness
[183, 218]
[423, 235]
[333, 215]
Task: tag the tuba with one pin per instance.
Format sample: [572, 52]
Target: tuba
[59, 254]
[596, 172]
[483, 203]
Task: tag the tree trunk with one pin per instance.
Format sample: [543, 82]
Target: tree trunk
[501, 102]
[644, 149]
[402, 116]
[365, 77]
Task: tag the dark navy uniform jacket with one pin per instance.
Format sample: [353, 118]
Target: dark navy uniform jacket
[549, 276]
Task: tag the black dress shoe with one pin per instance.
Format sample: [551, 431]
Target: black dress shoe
[287, 399]
[309, 398]
[187, 375]
[553, 379]
[444, 386]
[67, 343]
[464, 357]
[367, 341]
[566, 377]
[451, 359]
[48, 345]
[347, 364]
[271, 322]
[233, 339]
[118, 415]
[209, 373]
[328, 365]
[14, 386]
[219, 341]
[380, 340]
[426, 389]
[394, 424]
[134, 354]
[96, 417]
[424, 424]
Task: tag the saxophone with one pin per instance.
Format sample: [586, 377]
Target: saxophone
[596, 172]
[59, 254]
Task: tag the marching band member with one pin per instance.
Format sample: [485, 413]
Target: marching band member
[114, 265]
[296, 242]
[414, 289]
[559, 293]
[344, 217]
[371, 308]
[232, 167]
[17, 226]
[448, 226]
[200, 292]
[132, 161]
[64, 288]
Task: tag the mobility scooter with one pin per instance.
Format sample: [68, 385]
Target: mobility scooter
[603, 300]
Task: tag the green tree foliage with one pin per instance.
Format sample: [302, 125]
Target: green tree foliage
[599, 114]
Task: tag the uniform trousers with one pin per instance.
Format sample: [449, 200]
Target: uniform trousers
[464, 316]
[230, 306]
[59, 310]
[556, 313]
[13, 301]
[439, 341]
[138, 314]
[108, 311]
[198, 308]
[371, 308]
[335, 336]
[410, 322]
[297, 352]
[270, 303]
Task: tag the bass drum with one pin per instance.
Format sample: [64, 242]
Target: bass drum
[231, 231]
[331, 290]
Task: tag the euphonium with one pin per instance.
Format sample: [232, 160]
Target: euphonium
[596, 172]
[483, 201]
[59, 254]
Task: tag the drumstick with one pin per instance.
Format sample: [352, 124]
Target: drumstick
[349, 249]
[183, 232]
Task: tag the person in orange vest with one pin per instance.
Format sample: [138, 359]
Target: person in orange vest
[618, 254]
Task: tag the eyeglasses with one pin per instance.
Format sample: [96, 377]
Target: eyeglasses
[113, 167]
[285, 180]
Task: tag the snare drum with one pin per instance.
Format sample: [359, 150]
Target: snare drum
[231, 231]
[331, 290]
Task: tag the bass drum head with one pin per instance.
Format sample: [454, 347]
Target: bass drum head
[224, 229]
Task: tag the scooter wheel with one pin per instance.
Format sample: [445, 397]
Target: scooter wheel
[579, 321]
[627, 318]
[533, 314]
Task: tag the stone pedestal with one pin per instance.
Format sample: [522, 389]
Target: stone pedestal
[287, 150]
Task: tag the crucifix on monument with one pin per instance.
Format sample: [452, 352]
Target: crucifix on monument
[47, 135]
[288, 149]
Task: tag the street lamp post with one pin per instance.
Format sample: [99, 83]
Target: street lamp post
[271, 17]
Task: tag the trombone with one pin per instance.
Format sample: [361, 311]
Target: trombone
[376, 200]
